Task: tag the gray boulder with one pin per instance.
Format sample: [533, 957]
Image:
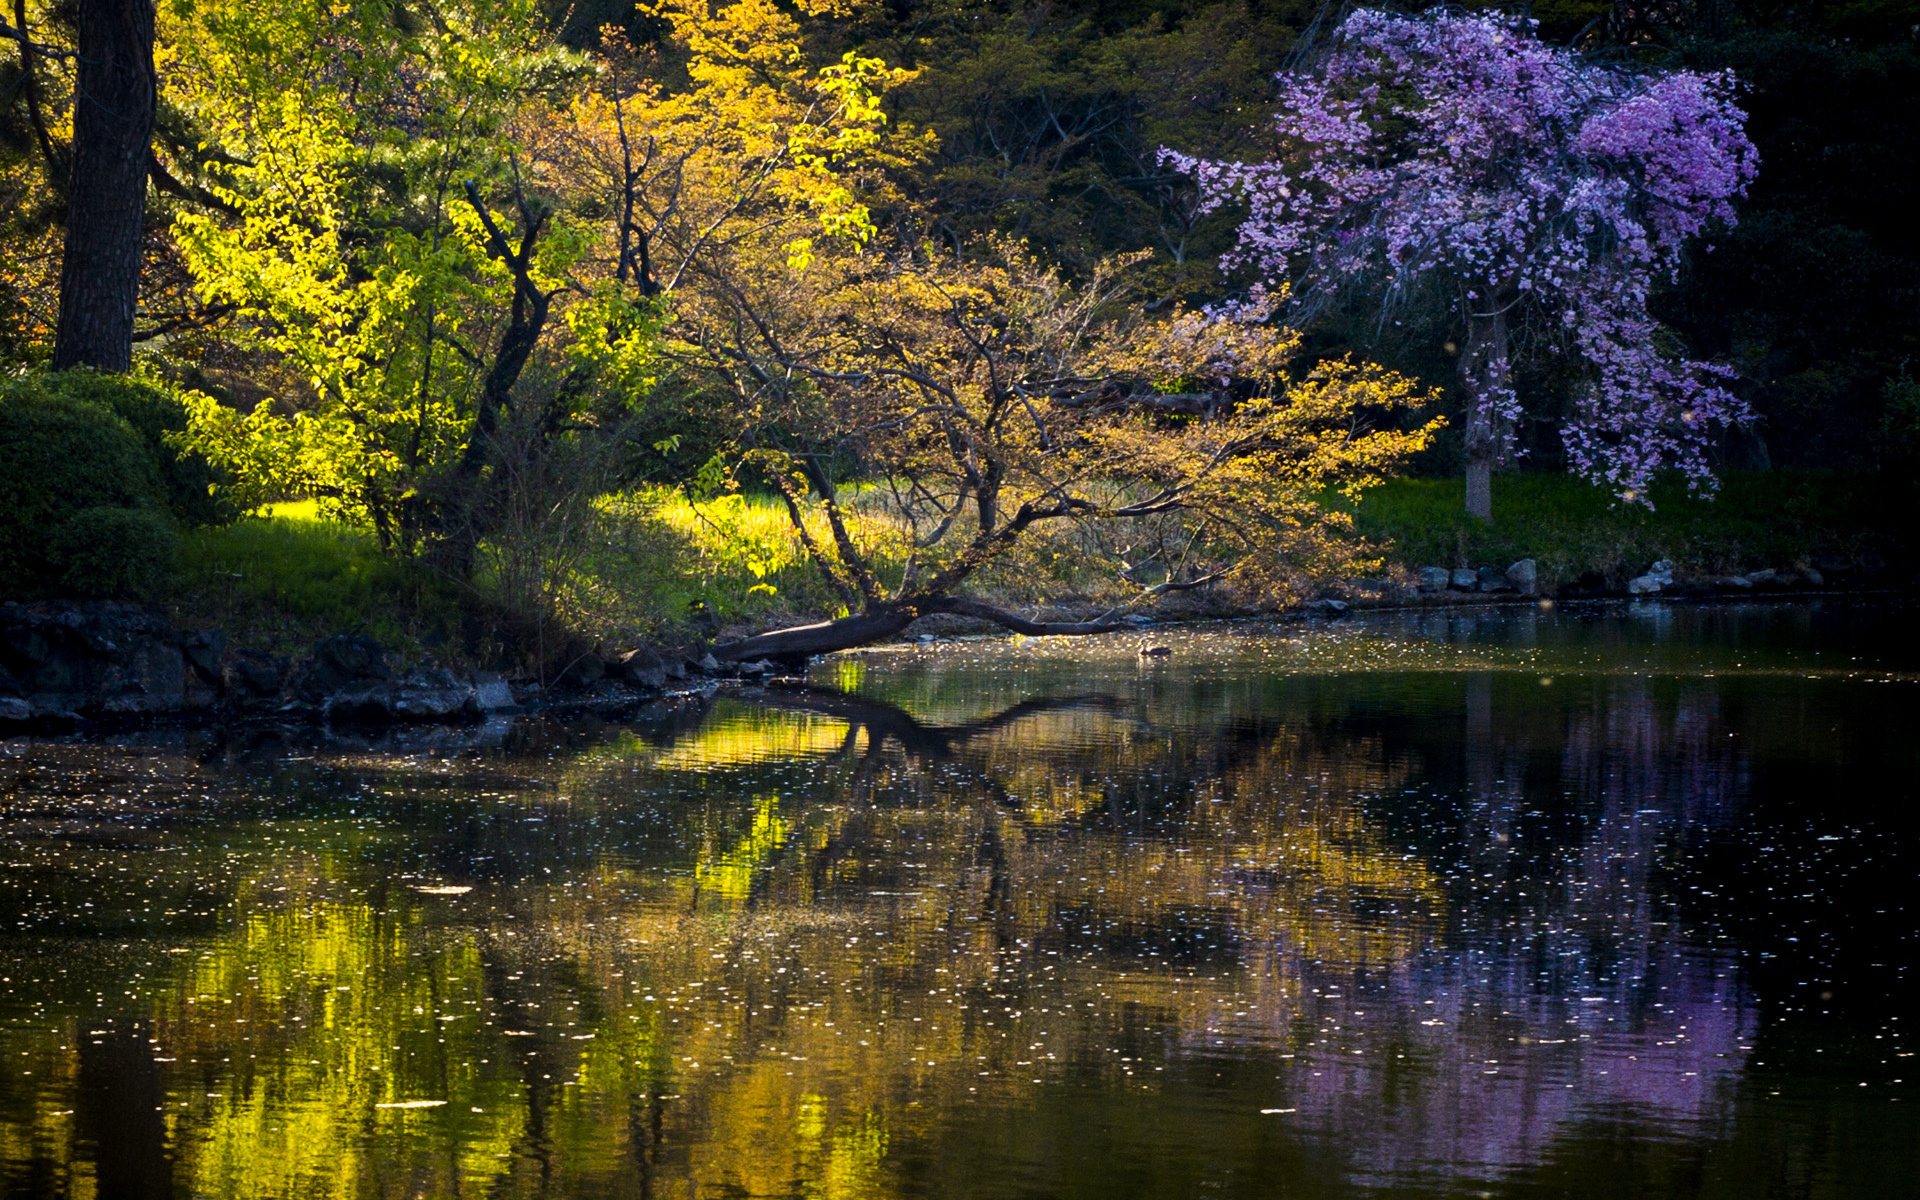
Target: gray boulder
[1435, 579]
[1524, 576]
[1464, 579]
[428, 704]
[491, 695]
[433, 694]
[253, 675]
[14, 711]
[67, 659]
[1487, 579]
[641, 668]
[370, 702]
[1644, 585]
[205, 649]
[584, 670]
[345, 662]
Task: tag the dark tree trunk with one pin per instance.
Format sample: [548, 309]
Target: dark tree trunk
[1483, 373]
[804, 641]
[466, 518]
[1479, 474]
[107, 189]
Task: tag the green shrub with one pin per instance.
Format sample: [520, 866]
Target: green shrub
[113, 551]
[79, 442]
[185, 479]
[61, 455]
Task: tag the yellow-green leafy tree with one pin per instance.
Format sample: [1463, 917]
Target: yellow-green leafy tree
[443, 338]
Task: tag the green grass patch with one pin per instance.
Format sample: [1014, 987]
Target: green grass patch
[661, 566]
[286, 576]
[1568, 527]
[657, 555]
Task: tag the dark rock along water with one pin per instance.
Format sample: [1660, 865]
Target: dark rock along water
[1600, 902]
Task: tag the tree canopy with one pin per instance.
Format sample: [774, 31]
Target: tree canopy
[1542, 193]
[461, 270]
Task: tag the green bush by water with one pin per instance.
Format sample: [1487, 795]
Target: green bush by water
[92, 490]
[63, 456]
[114, 551]
[185, 480]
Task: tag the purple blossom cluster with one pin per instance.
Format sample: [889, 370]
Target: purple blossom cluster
[1548, 190]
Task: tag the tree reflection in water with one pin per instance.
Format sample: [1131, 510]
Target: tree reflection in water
[1262, 935]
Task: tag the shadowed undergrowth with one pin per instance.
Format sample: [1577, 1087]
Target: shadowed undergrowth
[1569, 527]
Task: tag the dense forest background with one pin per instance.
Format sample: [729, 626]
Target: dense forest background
[1048, 118]
[442, 232]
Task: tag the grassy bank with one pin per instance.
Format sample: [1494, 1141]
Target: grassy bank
[284, 577]
[1568, 527]
[653, 566]
[656, 566]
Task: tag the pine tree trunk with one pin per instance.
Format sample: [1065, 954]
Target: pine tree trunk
[113, 105]
[1483, 374]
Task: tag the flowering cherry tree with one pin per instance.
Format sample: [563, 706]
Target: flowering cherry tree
[1545, 192]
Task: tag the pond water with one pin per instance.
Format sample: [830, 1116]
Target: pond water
[1607, 902]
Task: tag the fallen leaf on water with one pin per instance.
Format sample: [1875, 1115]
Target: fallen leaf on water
[412, 1104]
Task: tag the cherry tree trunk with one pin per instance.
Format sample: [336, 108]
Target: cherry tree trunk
[1483, 377]
[113, 106]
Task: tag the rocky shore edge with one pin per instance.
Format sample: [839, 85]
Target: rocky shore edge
[68, 665]
[1660, 578]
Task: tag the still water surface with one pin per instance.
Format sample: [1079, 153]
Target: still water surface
[1615, 902]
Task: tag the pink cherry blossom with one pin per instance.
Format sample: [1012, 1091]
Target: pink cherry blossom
[1548, 190]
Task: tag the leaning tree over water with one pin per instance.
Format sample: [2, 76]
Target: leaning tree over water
[1545, 192]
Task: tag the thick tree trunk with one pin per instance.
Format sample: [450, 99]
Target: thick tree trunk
[804, 641]
[1479, 482]
[1484, 379]
[107, 190]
